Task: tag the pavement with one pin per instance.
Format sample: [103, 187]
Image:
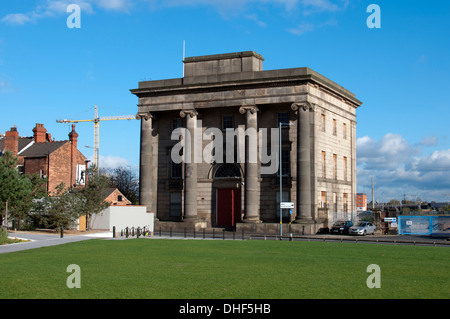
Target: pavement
[38, 240]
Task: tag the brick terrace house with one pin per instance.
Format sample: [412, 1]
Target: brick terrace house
[59, 161]
[116, 198]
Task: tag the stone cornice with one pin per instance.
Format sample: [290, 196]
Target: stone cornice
[242, 80]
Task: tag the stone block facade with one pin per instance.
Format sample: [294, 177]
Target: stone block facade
[230, 92]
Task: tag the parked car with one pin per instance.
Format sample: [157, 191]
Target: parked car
[341, 227]
[362, 228]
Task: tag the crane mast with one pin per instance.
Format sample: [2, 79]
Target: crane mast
[96, 121]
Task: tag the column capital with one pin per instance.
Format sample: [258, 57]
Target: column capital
[245, 108]
[190, 112]
[306, 106]
[144, 115]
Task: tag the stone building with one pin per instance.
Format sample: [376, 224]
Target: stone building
[226, 93]
[58, 161]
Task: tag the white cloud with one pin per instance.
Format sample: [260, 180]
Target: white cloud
[112, 162]
[320, 5]
[391, 151]
[16, 18]
[399, 168]
[115, 5]
[4, 86]
[429, 140]
[302, 29]
[254, 17]
[52, 8]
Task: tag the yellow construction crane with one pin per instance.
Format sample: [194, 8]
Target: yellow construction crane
[96, 121]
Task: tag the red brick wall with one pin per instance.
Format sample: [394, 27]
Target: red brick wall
[114, 200]
[60, 166]
[57, 167]
[36, 165]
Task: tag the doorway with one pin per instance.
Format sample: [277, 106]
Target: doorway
[228, 207]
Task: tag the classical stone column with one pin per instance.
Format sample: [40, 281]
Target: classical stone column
[148, 157]
[304, 191]
[190, 167]
[251, 167]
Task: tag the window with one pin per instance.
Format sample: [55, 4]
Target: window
[176, 123]
[345, 168]
[345, 206]
[334, 166]
[285, 162]
[175, 170]
[119, 198]
[335, 202]
[284, 119]
[175, 204]
[323, 200]
[227, 171]
[227, 122]
[345, 131]
[322, 123]
[324, 175]
[334, 127]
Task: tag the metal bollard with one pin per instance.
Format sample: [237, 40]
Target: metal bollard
[114, 231]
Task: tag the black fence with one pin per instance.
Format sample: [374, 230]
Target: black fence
[224, 234]
[185, 233]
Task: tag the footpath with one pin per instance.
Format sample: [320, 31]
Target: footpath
[37, 240]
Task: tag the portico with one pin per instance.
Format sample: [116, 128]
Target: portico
[229, 92]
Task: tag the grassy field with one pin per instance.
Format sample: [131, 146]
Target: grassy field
[143, 268]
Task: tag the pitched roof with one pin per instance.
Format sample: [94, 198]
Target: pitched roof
[23, 142]
[42, 149]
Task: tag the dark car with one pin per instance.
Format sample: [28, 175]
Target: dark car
[341, 227]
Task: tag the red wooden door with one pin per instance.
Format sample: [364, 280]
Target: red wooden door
[228, 207]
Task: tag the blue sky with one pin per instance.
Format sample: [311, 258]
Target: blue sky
[400, 71]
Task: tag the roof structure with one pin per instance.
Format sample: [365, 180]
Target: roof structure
[42, 149]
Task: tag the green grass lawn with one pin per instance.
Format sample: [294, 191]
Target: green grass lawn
[143, 268]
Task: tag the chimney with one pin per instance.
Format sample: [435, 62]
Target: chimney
[40, 133]
[73, 137]
[12, 141]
